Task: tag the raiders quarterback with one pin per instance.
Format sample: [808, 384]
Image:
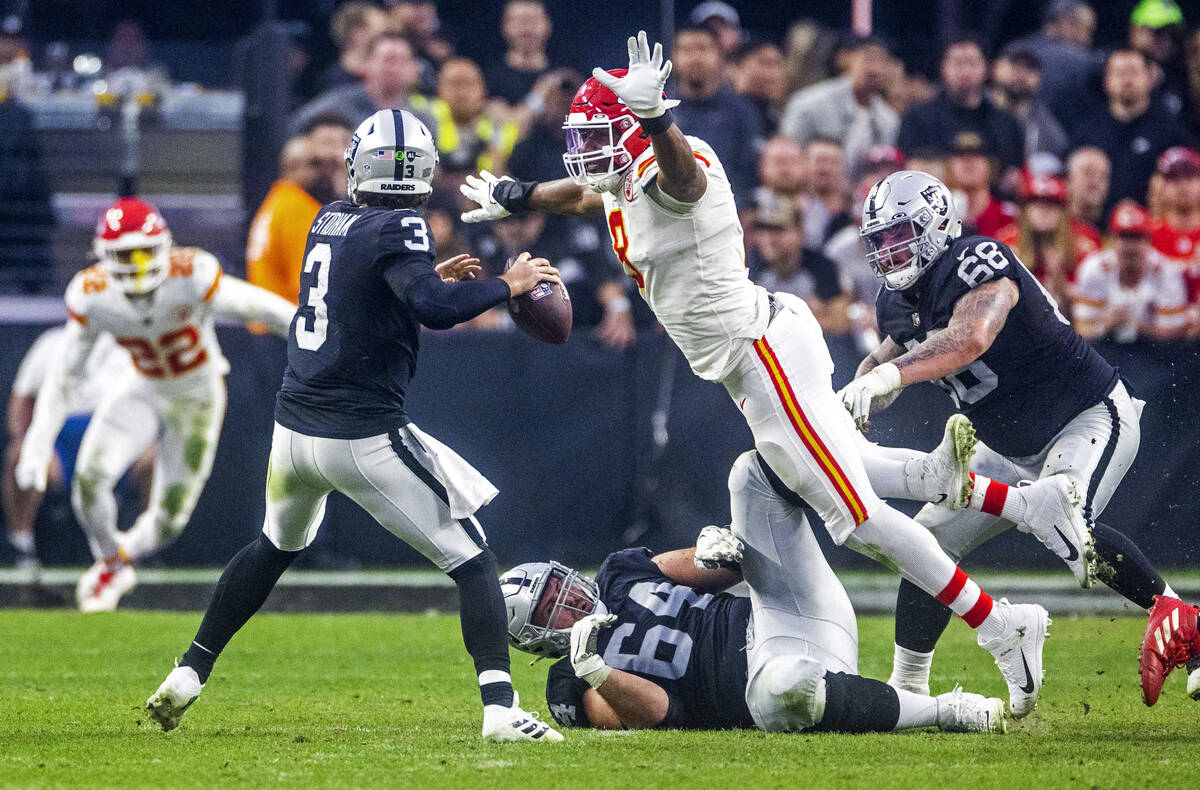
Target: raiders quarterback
[964, 313]
[654, 642]
[157, 301]
[367, 286]
[675, 229]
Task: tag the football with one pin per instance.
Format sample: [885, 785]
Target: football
[543, 313]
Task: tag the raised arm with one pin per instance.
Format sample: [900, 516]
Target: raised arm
[978, 317]
[238, 299]
[679, 174]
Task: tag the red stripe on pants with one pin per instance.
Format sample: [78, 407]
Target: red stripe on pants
[951, 590]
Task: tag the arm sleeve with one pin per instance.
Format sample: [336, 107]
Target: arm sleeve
[564, 695]
[239, 299]
[438, 304]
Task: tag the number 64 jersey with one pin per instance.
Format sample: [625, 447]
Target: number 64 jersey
[690, 644]
[1037, 375]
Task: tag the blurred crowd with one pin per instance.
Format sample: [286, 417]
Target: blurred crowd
[1082, 160]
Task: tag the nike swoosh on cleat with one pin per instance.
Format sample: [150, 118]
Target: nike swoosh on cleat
[1028, 687]
[941, 498]
[1072, 552]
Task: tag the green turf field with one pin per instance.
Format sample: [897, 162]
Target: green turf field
[389, 701]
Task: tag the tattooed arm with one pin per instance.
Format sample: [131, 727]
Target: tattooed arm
[977, 319]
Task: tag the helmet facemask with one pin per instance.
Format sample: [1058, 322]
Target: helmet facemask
[594, 158]
[895, 252]
[908, 221]
[559, 597]
[136, 266]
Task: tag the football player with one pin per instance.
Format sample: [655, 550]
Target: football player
[368, 285]
[964, 313]
[675, 229]
[654, 642]
[158, 301]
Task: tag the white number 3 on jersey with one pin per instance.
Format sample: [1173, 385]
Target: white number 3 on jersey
[311, 339]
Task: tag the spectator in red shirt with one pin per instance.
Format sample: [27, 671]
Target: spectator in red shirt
[1176, 231]
[1049, 242]
[970, 176]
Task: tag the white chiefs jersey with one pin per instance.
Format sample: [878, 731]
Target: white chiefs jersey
[689, 262]
[1158, 298]
[168, 333]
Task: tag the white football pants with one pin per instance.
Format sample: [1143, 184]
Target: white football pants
[1095, 450]
[127, 421]
[801, 622]
[392, 476]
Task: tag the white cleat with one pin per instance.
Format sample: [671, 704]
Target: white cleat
[515, 724]
[102, 585]
[962, 711]
[1054, 515]
[174, 697]
[944, 476]
[1193, 684]
[1018, 653]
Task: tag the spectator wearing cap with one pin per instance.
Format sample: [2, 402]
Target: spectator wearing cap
[353, 27]
[1016, 79]
[1130, 129]
[1087, 185]
[969, 176]
[722, 19]
[1129, 290]
[1046, 239]
[1064, 48]
[389, 82]
[1176, 231]
[758, 74]
[962, 106]
[826, 203]
[779, 261]
[1156, 30]
[728, 121]
[526, 28]
[850, 108]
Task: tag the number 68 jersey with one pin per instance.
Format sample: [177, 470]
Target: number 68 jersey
[1037, 375]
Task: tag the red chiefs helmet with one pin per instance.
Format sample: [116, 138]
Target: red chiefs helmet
[133, 245]
[604, 137]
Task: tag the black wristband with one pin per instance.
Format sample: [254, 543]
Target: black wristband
[657, 125]
[513, 195]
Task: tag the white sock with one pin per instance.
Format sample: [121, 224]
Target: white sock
[910, 667]
[996, 499]
[1168, 592]
[21, 541]
[916, 710]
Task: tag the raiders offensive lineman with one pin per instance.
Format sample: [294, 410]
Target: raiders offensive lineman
[654, 642]
[967, 315]
[368, 284]
[158, 301]
[675, 228]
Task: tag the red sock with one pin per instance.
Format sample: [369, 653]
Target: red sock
[996, 499]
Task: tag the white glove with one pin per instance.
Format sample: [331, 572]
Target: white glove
[33, 466]
[642, 88]
[717, 547]
[587, 662]
[479, 189]
[857, 395]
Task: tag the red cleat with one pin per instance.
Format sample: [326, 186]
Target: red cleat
[1171, 638]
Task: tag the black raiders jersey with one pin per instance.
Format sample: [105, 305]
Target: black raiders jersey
[691, 644]
[1037, 375]
[352, 347]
